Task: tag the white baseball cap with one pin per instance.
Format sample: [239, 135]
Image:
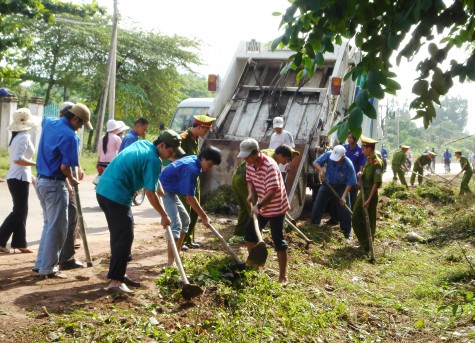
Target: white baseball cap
[338, 152]
[278, 122]
[247, 146]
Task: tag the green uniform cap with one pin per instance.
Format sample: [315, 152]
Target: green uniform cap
[367, 140]
[204, 120]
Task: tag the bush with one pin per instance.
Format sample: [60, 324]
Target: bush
[221, 201]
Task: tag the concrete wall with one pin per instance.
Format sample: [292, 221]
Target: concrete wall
[8, 105]
[36, 107]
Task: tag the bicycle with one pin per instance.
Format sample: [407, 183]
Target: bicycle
[139, 197]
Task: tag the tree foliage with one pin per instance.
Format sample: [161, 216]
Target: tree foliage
[380, 29]
[15, 36]
[447, 131]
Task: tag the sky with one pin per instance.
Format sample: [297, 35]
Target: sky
[222, 24]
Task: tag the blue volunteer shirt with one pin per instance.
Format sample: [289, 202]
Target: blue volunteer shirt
[384, 154]
[447, 155]
[180, 177]
[58, 145]
[130, 138]
[356, 156]
[335, 173]
[136, 167]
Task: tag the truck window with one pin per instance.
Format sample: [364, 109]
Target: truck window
[183, 118]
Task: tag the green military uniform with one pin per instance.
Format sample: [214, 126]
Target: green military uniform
[466, 176]
[239, 185]
[372, 174]
[190, 144]
[399, 158]
[418, 168]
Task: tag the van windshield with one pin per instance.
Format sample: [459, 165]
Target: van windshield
[183, 118]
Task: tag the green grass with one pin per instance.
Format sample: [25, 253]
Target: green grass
[87, 160]
[414, 291]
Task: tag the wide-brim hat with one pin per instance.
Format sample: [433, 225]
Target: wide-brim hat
[122, 126]
[112, 125]
[23, 120]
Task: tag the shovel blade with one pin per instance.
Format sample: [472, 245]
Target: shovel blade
[190, 291]
[93, 263]
[258, 255]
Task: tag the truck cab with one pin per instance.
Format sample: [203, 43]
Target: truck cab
[183, 117]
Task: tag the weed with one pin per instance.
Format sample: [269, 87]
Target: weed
[221, 201]
[431, 191]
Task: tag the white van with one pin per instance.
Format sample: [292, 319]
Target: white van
[183, 118]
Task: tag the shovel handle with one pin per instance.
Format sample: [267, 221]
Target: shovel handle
[184, 279]
[256, 228]
[296, 229]
[82, 226]
[223, 242]
[338, 196]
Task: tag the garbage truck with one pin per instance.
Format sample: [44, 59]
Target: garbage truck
[256, 89]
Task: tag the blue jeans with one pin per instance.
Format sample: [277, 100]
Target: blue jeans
[178, 214]
[325, 196]
[54, 199]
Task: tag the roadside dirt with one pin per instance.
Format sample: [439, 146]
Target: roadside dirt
[26, 299]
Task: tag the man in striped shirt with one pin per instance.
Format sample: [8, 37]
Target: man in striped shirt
[264, 179]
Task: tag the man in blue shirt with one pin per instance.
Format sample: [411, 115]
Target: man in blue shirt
[180, 178]
[140, 128]
[384, 155]
[447, 156]
[341, 176]
[58, 151]
[355, 153]
[136, 167]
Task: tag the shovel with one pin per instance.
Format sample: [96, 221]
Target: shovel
[188, 291]
[82, 228]
[240, 263]
[456, 176]
[296, 229]
[368, 226]
[258, 254]
[440, 176]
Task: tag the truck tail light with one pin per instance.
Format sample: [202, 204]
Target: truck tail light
[336, 85]
[212, 81]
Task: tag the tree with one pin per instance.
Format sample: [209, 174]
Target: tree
[454, 110]
[15, 37]
[195, 86]
[379, 29]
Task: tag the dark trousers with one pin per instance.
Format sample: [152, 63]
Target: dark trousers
[276, 229]
[121, 227]
[15, 223]
[68, 251]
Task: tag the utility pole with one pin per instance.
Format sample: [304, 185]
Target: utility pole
[107, 81]
[113, 64]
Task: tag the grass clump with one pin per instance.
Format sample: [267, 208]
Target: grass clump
[430, 190]
[395, 190]
[221, 201]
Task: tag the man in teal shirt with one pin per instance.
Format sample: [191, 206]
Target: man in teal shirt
[136, 167]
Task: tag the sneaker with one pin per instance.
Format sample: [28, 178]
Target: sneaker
[184, 248]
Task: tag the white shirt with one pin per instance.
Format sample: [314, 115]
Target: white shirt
[21, 148]
[277, 139]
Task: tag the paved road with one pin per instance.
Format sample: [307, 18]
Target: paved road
[94, 217]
